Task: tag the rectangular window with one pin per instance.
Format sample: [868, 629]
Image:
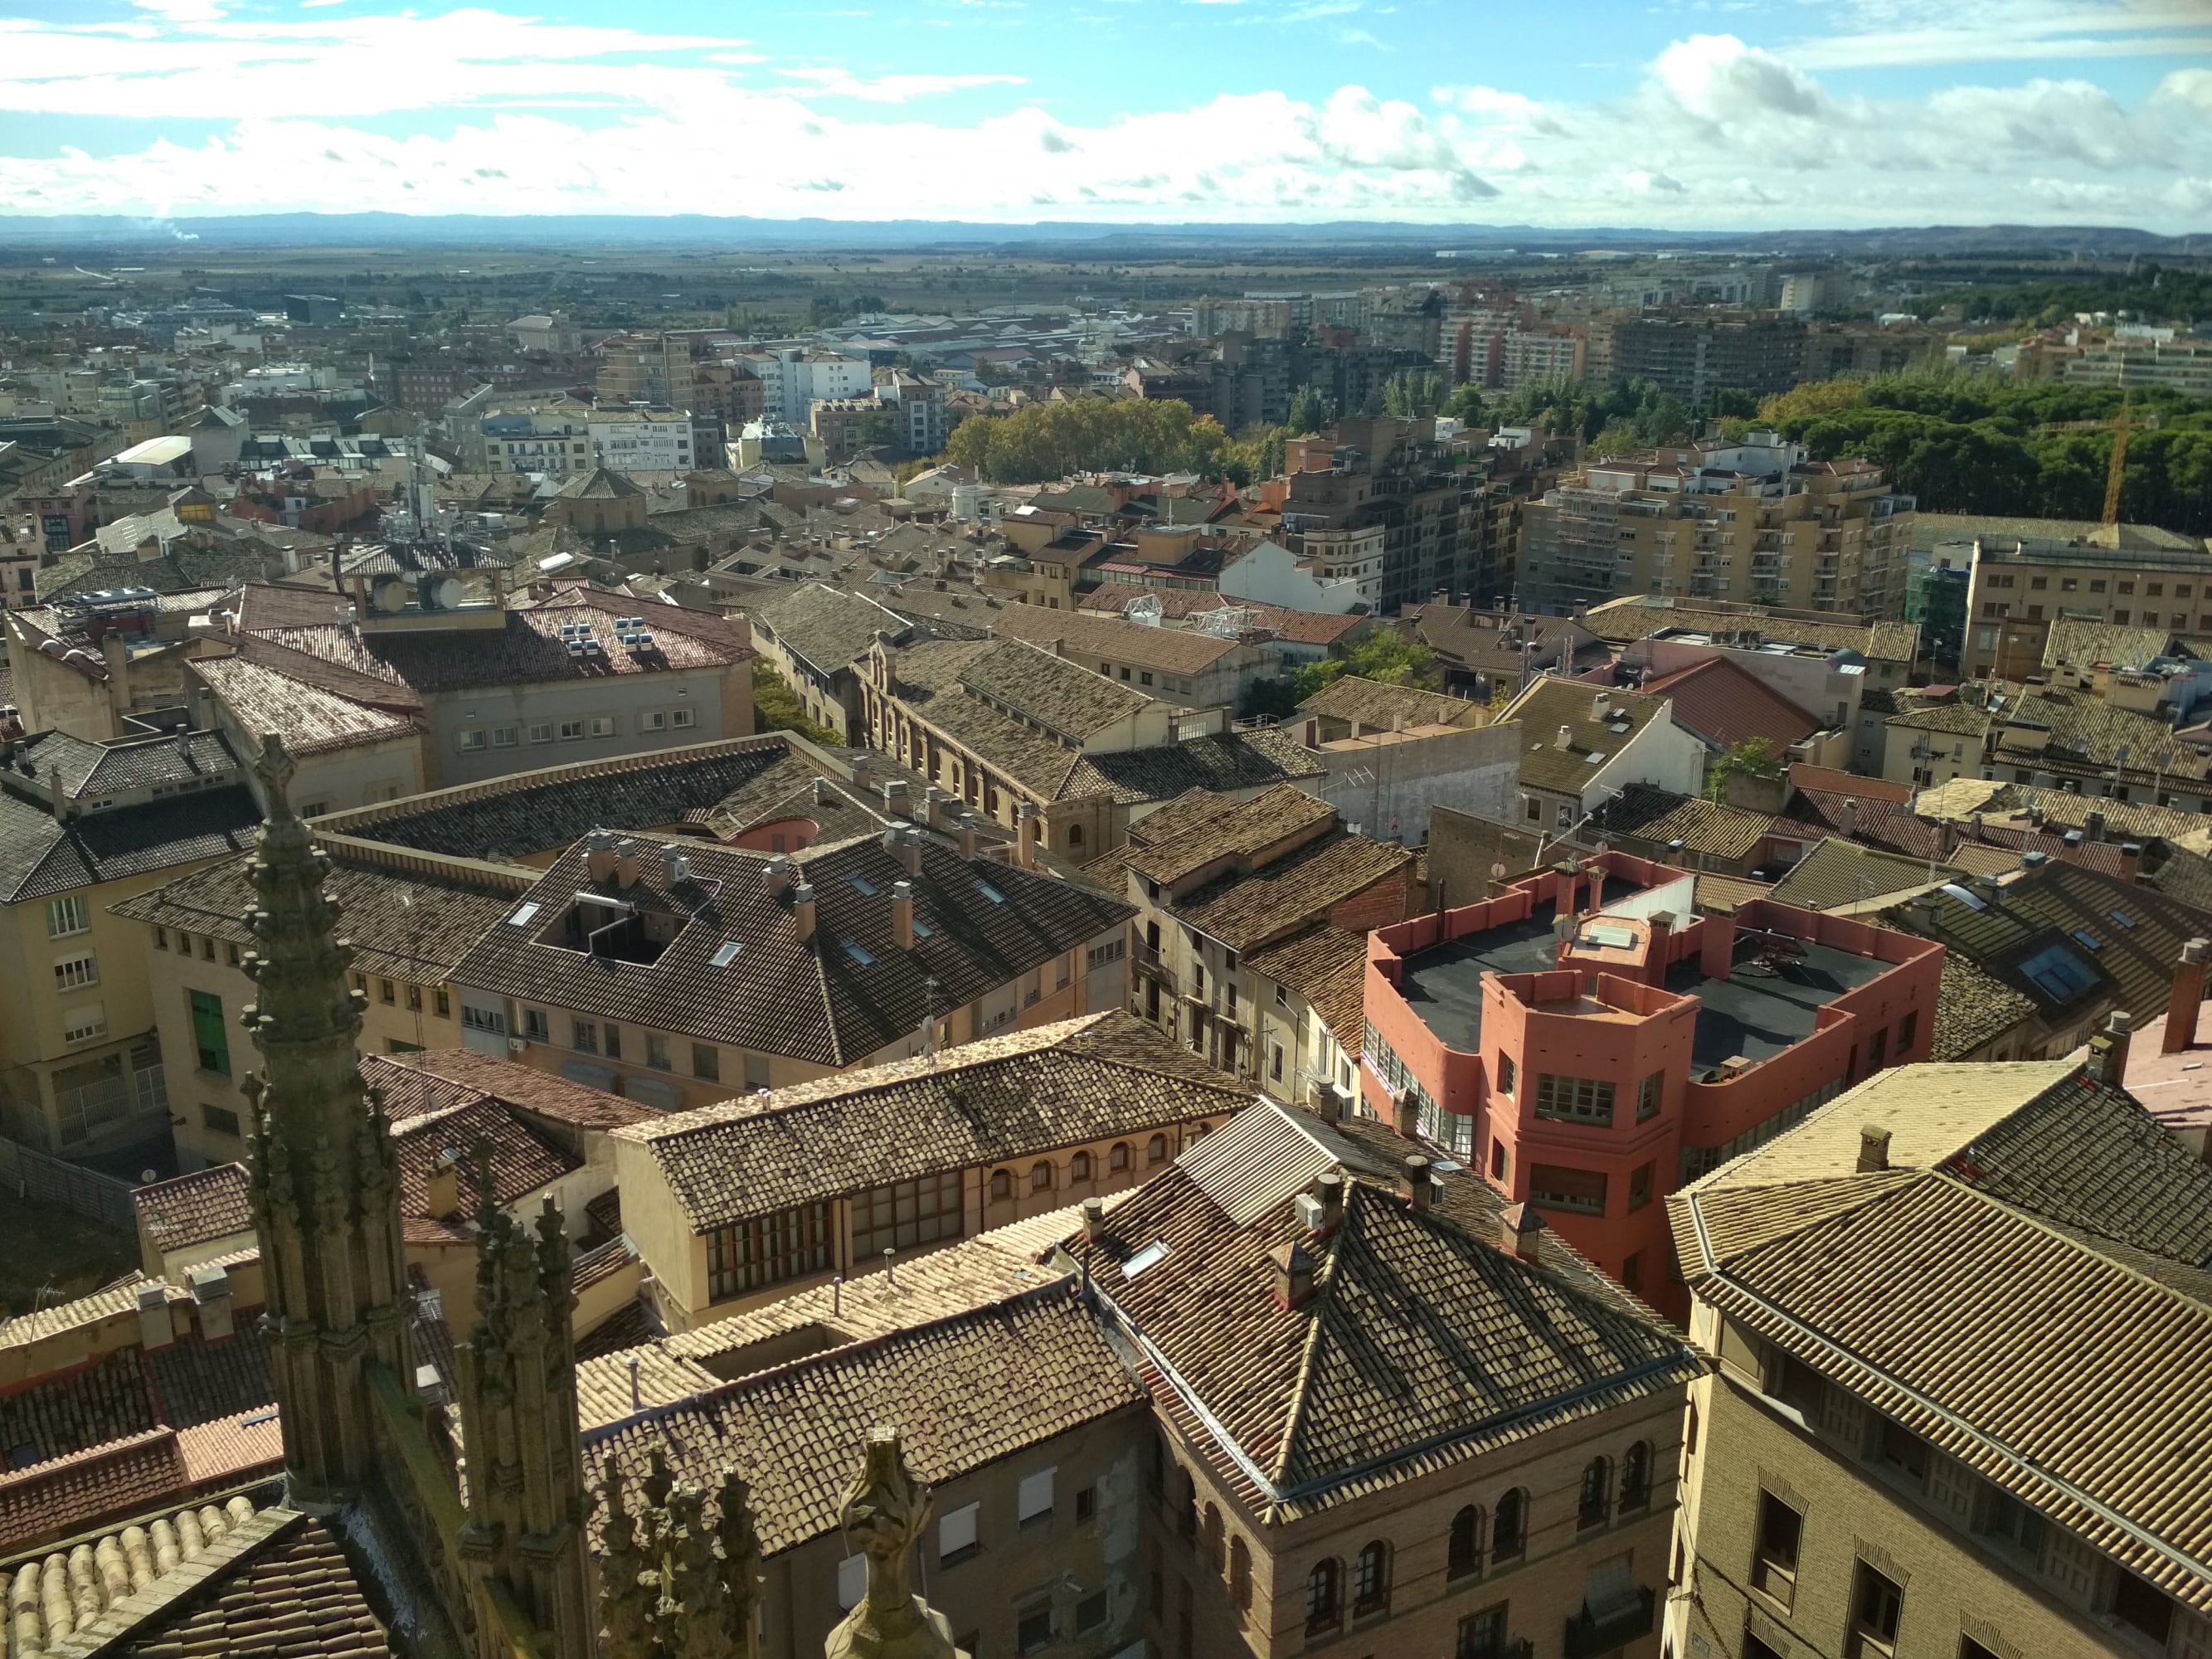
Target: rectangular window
[1090, 1612]
[221, 1119]
[1508, 1074]
[65, 916]
[541, 731]
[656, 1051]
[161, 938]
[503, 737]
[472, 739]
[2143, 1608]
[1553, 1187]
[1876, 1604]
[1574, 1099]
[1878, 1049]
[1100, 955]
[956, 1535]
[1639, 1186]
[654, 720]
[210, 1037]
[1904, 1453]
[1908, 1029]
[904, 1215]
[613, 1036]
[1774, 1556]
[706, 1062]
[681, 718]
[1647, 1096]
[84, 1023]
[1033, 1629]
[603, 725]
[1482, 1635]
[756, 1071]
[572, 731]
[1033, 1500]
[440, 1004]
[386, 993]
[767, 1250]
[535, 1025]
[583, 1036]
[72, 972]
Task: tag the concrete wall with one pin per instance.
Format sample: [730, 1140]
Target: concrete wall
[1387, 785]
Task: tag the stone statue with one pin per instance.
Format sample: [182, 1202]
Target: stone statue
[884, 1510]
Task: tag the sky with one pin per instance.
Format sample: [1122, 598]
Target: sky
[1685, 114]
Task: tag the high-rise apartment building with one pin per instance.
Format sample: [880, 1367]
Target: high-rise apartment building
[1751, 522]
[1430, 503]
[1694, 356]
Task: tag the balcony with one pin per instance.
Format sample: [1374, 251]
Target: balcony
[1589, 1635]
[1145, 958]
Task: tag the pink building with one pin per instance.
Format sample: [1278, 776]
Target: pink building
[1590, 1043]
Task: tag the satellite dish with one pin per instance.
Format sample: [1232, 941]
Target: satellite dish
[389, 597]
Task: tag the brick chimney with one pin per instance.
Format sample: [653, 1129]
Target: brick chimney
[1024, 829]
[1406, 1114]
[2108, 1049]
[1416, 1182]
[776, 874]
[802, 910]
[903, 914]
[1094, 1219]
[1655, 957]
[968, 835]
[599, 856]
[442, 1187]
[1874, 1148]
[1520, 1230]
[2188, 994]
[2130, 860]
[628, 865]
[1329, 1187]
[1717, 947]
[1294, 1276]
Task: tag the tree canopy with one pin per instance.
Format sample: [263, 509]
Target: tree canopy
[1043, 441]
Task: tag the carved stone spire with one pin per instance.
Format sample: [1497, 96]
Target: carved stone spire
[672, 1584]
[885, 1509]
[323, 1182]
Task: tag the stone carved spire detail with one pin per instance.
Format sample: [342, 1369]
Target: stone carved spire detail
[885, 1509]
[524, 1536]
[672, 1583]
[322, 1180]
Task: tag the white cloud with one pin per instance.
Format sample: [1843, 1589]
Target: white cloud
[891, 88]
[537, 116]
[1877, 33]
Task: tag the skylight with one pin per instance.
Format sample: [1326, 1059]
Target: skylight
[524, 916]
[2058, 973]
[725, 953]
[2122, 917]
[1966, 896]
[990, 892]
[862, 886]
[2082, 935]
[858, 953]
[1150, 1256]
[923, 930]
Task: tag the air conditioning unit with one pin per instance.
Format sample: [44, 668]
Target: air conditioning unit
[518, 1045]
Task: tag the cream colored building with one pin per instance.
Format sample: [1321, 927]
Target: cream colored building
[1751, 523]
[2025, 575]
[738, 1204]
[1954, 1321]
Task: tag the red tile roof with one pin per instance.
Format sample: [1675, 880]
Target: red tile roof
[1725, 705]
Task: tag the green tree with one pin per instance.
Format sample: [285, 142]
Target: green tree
[1308, 413]
[1412, 393]
[776, 708]
[1465, 405]
[1754, 758]
[1042, 441]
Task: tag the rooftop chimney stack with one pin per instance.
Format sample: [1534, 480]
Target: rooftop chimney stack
[903, 914]
[599, 856]
[2108, 1049]
[1294, 1276]
[969, 837]
[2130, 860]
[155, 1328]
[802, 910]
[2187, 997]
[1025, 833]
[1094, 1219]
[1874, 1148]
[1521, 1231]
[821, 792]
[1406, 1114]
[895, 805]
[910, 850]
[1565, 739]
[442, 1187]
[1850, 817]
[1417, 1183]
[776, 873]
[628, 865]
[1329, 1189]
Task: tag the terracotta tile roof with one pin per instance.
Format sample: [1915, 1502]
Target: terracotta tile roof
[310, 720]
[1726, 705]
[1659, 817]
[1059, 694]
[412, 924]
[631, 1326]
[292, 1595]
[226, 1449]
[1032, 1091]
[841, 996]
[2008, 806]
[966, 1392]
[1626, 620]
[1839, 873]
[1239, 831]
[191, 1209]
[828, 628]
[2063, 728]
[1720, 895]
[1227, 761]
[796, 787]
[109, 1302]
[40, 856]
[468, 1076]
[523, 1160]
[604, 1393]
[1376, 705]
[2083, 644]
[67, 1495]
[1087, 639]
[196, 1381]
[1920, 1297]
[1184, 605]
[528, 812]
[61, 1415]
[1972, 1010]
[1549, 704]
[1964, 719]
[1309, 960]
[1420, 1347]
[1245, 911]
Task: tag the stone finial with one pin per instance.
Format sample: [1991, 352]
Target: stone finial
[884, 1510]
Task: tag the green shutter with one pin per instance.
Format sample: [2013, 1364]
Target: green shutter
[210, 1035]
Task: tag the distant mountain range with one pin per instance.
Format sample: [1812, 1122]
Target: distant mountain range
[270, 230]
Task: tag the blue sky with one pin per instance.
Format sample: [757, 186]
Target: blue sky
[1695, 113]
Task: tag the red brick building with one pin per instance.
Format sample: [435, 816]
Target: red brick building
[1589, 1043]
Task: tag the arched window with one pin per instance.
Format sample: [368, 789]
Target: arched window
[1635, 1478]
[1594, 1505]
[1156, 1150]
[1509, 1532]
[1078, 1167]
[1370, 1579]
[1240, 1574]
[1464, 1553]
[1074, 837]
[1002, 1183]
[1117, 1161]
[1321, 1598]
[1187, 1517]
[1212, 1539]
[1041, 1177]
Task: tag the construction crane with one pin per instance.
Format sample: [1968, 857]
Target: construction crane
[2119, 461]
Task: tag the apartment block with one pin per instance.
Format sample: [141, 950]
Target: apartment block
[2025, 577]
